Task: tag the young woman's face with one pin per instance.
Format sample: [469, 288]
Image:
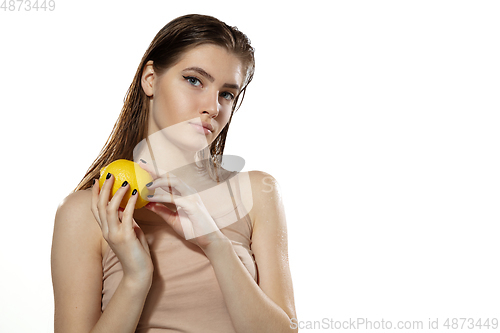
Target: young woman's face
[198, 89]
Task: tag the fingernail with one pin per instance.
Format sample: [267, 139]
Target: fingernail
[143, 161]
[150, 196]
[134, 192]
[108, 175]
[124, 183]
[149, 184]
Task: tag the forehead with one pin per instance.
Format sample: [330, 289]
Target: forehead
[216, 60]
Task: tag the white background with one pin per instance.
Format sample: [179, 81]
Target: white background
[379, 119]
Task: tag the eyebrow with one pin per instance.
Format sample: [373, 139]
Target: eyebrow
[204, 73]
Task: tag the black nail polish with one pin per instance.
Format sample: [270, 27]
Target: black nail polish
[124, 183]
[150, 196]
[149, 184]
[143, 161]
[108, 175]
[134, 192]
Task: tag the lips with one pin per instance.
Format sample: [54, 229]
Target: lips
[205, 125]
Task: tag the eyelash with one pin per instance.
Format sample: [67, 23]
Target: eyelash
[190, 80]
[231, 96]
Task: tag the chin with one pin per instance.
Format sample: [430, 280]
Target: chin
[192, 145]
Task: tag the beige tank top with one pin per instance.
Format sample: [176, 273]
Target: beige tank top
[185, 295]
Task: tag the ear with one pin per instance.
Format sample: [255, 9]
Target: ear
[147, 78]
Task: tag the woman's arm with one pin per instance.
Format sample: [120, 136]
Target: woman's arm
[269, 306]
[76, 261]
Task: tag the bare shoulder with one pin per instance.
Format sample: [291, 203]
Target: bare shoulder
[78, 201]
[270, 241]
[76, 258]
[253, 189]
[264, 187]
[266, 196]
[262, 182]
[74, 210]
[74, 219]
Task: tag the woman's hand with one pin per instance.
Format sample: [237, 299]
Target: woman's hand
[120, 230]
[192, 219]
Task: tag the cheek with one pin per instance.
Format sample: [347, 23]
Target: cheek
[172, 107]
[226, 117]
[223, 119]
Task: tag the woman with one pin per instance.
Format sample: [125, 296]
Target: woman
[209, 252]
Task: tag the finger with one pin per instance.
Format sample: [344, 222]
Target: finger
[103, 200]
[93, 205]
[162, 184]
[104, 192]
[169, 216]
[128, 213]
[163, 181]
[180, 186]
[168, 198]
[114, 205]
[171, 181]
[150, 167]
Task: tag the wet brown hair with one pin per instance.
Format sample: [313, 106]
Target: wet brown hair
[171, 42]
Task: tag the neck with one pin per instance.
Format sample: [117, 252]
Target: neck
[165, 158]
[159, 150]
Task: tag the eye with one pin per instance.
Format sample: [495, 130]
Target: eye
[227, 95]
[192, 80]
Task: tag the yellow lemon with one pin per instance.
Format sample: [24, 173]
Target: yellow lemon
[125, 170]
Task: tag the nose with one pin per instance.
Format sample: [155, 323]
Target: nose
[211, 104]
